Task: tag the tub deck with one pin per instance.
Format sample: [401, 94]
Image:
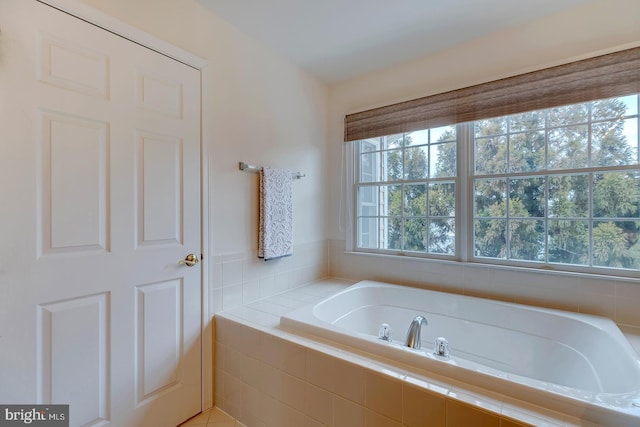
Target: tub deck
[264, 315]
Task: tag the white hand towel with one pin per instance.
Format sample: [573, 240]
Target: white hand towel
[275, 237]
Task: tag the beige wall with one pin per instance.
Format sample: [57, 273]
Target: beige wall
[260, 110]
[597, 27]
[263, 110]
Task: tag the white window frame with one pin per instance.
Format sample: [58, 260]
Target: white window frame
[353, 173]
[465, 215]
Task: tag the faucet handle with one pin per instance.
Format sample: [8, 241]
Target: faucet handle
[441, 347]
[384, 332]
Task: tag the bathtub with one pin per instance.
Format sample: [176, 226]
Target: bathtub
[578, 365]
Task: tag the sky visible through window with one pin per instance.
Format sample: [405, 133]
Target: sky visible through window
[630, 126]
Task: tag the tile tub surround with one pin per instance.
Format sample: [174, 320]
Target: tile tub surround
[266, 376]
[240, 278]
[614, 297]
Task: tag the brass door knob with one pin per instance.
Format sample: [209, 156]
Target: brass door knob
[190, 260]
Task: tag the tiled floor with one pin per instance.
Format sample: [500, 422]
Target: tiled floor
[212, 418]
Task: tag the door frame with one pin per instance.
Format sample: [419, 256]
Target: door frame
[135, 35]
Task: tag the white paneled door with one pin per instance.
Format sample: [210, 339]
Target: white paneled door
[99, 201]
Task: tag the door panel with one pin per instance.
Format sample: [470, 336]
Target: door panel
[72, 169]
[159, 94]
[159, 189]
[73, 67]
[100, 187]
[158, 338]
[77, 331]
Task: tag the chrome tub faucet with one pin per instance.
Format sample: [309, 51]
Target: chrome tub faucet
[413, 334]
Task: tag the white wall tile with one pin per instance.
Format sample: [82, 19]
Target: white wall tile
[318, 404]
[373, 419]
[270, 350]
[309, 263]
[627, 303]
[293, 357]
[349, 381]
[289, 417]
[268, 286]
[304, 275]
[597, 297]
[257, 406]
[383, 394]
[251, 269]
[282, 281]
[548, 297]
[250, 291]
[269, 307]
[215, 271]
[319, 370]
[215, 301]
[226, 331]
[234, 391]
[310, 422]
[573, 292]
[234, 364]
[293, 391]
[347, 413]
[231, 296]
[231, 273]
[234, 256]
[259, 393]
[271, 381]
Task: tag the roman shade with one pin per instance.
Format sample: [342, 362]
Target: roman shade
[606, 76]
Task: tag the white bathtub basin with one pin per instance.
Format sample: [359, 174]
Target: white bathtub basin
[576, 364]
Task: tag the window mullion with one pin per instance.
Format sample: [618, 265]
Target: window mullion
[464, 192]
[402, 189]
[507, 213]
[352, 152]
[591, 183]
[590, 217]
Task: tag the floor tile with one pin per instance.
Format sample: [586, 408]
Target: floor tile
[199, 420]
[212, 418]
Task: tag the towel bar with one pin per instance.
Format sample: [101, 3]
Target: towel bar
[250, 168]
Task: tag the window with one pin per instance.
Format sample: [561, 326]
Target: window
[406, 192]
[560, 185]
[552, 186]
[538, 169]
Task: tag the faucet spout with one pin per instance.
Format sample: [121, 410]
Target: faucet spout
[413, 334]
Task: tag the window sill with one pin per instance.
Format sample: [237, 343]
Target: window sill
[548, 269]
